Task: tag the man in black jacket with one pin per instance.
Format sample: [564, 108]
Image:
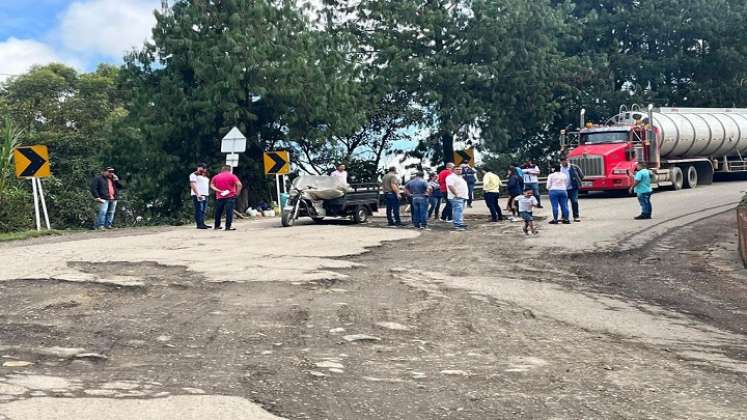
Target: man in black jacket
[105, 190]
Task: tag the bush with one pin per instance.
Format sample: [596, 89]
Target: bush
[16, 209]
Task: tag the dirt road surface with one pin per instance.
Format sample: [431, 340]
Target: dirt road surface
[609, 318]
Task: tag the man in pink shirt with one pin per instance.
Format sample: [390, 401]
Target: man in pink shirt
[227, 187]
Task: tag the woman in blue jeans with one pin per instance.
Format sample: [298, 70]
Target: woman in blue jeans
[557, 188]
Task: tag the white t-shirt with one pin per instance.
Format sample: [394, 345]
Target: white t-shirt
[343, 175]
[530, 175]
[203, 184]
[525, 203]
[557, 181]
[459, 184]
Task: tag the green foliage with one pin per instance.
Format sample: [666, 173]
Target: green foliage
[16, 209]
[11, 138]
[27, 234]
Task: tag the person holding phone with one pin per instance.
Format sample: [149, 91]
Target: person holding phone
[199, 185]
[227, 187]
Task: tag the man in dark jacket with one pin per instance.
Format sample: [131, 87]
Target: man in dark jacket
[575, 175]
[105, 190]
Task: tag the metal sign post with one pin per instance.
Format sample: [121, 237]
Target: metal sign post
[277, 163]
[40, 191]
[32, 162]
[233, 143]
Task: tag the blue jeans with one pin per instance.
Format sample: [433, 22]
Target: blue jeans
[457, 211]
[491, 200]
[200, 210]
[420, 211]
[105, 214]
[392, 208]
[470, 193]
[226, 204]
[559, 198]
[644, 199]
[535, 187]
[434, 205]
[573, 197]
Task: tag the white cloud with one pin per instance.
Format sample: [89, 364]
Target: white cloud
[107, 27]
[18, 55]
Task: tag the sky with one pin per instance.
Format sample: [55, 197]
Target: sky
[79, 33]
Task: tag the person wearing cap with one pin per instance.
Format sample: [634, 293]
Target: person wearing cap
[390, 185]
[105, 191]
[199, 185]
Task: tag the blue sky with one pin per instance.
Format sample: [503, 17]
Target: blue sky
[80, 33]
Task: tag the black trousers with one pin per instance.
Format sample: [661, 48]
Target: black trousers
[227, 205]
[491, 200]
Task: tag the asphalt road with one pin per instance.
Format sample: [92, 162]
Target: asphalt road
[55, 284]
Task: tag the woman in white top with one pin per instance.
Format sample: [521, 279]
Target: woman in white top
[557, 187]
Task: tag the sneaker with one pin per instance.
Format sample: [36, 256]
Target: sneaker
[553, 222]
[217, 228]
[566, 222]
[202, 227]
[540, 207]
[526, 232]
[576, 220]
[230, 228]
[206, 226]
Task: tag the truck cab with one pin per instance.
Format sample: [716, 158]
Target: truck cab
[607, 154]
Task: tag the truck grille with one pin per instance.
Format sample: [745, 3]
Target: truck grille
[591, 165]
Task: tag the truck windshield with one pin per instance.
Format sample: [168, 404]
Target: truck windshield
[606, 137]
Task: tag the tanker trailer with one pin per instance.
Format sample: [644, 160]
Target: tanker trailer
[683, 147]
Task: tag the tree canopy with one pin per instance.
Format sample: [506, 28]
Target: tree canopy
[355, 81]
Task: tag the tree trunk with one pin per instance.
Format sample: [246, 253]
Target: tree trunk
[447, 145]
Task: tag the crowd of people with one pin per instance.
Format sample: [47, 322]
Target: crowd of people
[452, 187]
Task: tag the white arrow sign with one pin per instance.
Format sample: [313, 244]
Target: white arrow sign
[233, 142]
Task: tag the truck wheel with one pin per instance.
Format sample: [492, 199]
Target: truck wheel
[360, 215]
[691, 181]
[286, 218]
[678, 179]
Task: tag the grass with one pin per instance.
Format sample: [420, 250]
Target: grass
[27, 234]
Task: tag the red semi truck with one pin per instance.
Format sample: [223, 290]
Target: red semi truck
[683, 147]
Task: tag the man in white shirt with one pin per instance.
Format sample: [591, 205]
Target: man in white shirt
[458, 192]
[340, 173]
[199, 185]
[531, 180]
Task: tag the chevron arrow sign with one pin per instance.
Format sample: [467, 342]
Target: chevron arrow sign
[32, 161]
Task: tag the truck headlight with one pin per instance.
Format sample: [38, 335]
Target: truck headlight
[619, 172]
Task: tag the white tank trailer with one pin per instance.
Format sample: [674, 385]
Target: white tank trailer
[691, 144]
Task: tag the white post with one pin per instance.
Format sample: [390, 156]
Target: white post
[36, 203]
[43, 202]
[277, 186]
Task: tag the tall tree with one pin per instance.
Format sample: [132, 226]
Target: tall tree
[214, 65]
[480, 69]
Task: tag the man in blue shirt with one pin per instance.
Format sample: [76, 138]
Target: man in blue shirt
[642, 188]
[417, 188]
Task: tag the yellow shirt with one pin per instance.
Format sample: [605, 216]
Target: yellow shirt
[491, 183]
